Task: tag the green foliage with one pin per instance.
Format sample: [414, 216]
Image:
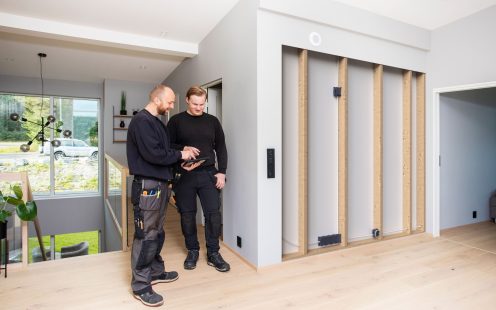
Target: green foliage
[123, 100]
[26, 211]
[93, 134]
[32, 112]
[68, 240]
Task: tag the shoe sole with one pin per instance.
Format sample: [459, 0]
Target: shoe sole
[164, 281]
[147, 303]
[218, 269]
[190, 268]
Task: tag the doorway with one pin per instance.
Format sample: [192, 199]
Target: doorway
[463, 146]
[214, 107]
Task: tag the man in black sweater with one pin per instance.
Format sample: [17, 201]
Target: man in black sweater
[150, 159]
[202, 134]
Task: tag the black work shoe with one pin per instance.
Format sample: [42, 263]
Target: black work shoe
[191, 259]
[216, 260]
[165, 277]
[150, 298]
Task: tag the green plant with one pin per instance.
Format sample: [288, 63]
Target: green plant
[26, 210]
[123, 101]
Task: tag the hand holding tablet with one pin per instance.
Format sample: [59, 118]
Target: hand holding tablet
[196, 160]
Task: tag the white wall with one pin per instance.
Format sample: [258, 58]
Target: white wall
[229, 52]
[461, 53]
[468, 148]
[136, 98]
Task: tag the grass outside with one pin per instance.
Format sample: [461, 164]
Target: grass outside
[67, 240]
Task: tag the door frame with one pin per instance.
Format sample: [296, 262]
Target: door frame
[434, 200]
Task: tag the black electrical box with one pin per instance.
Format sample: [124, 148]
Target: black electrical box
[238, 241]
[329, 239]
[271, 163]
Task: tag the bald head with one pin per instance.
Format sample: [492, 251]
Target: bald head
[162, 100]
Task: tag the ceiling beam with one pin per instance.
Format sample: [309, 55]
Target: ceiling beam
[96, 36]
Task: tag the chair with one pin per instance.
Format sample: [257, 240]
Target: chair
[74, 250]
[37, 257]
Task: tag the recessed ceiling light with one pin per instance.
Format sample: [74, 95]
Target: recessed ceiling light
[9, 59]
[163, 33]
[143, 67]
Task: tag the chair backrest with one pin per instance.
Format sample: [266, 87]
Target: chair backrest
[75, 250]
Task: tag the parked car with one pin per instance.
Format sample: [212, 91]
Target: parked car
[71, 148]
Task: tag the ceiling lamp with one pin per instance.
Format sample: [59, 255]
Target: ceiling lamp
[45, 122]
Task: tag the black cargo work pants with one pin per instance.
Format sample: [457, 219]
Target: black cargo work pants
[150, 199]
[201, 182]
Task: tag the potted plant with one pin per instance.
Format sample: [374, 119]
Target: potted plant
[27, 211]
[123, 103]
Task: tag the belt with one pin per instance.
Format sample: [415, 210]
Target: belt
[138, 178]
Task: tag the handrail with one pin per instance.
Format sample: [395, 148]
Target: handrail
[124, 171]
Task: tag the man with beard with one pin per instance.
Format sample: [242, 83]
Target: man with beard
[150, 160]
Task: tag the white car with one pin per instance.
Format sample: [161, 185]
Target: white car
[71, 148]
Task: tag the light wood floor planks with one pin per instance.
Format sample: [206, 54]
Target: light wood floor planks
[455, 271]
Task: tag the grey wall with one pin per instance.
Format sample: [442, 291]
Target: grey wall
[392, 151]
[468, 148]
[112, 239]
[360, 150]
[32, 86]
[322, 152]
[461, 53]
[136, 98]
[229, 52]
[68, 215]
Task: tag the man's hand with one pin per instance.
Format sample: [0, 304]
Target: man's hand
[221, 180]
[187, 154]
[189, 167]
[194, 150]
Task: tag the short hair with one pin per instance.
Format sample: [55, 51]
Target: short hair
[158, 91]
[196, 91]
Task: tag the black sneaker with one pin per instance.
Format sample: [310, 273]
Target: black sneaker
[150, 298]
[165, 277]
[216, 260]
[191, 259]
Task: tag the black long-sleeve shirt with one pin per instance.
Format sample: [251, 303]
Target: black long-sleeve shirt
[203, 132]
[149, 153]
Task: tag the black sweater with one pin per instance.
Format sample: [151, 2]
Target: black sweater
[203, 132]
[148, 148]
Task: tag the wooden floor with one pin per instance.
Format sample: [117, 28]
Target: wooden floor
[455, 271]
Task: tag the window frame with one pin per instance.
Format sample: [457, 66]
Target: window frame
[51, 194]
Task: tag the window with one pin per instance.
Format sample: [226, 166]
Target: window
[72, 167]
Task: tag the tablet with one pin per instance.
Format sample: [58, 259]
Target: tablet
[192, 161]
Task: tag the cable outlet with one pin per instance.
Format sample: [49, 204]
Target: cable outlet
[474, 214]
[238, 241]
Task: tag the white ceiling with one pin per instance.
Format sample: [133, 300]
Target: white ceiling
[148, 39]
[145, 41]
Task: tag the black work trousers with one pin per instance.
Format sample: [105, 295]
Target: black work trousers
[149, 198]
[201, 182]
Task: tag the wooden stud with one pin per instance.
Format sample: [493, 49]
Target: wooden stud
[420, 152]
[343, 152]
[378, 139]
[303, 152]
[407, 157]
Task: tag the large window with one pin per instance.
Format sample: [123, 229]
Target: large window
[72, 167]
